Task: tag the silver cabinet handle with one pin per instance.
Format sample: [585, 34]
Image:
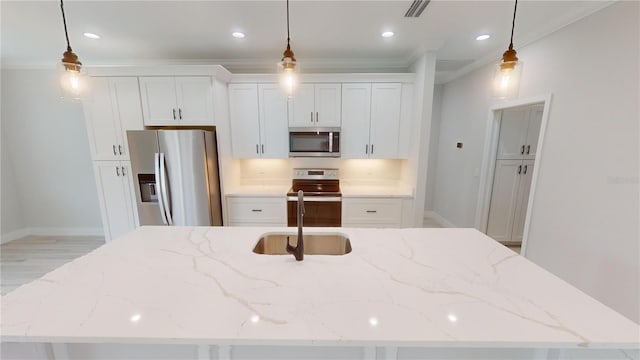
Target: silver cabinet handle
[117, 171]
[256, 210]
[316, 116]
[257, 149]
[522, 150]
[371, 148]
[123, 172]
[262, 148]
[180, 113]
[114, 150]
[120, 149]
[312, 116]
[519, 169]
[174, 114]
[372, 211]
[525, 169]
[528, 148]
[366, 149]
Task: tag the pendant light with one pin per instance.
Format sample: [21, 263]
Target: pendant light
[506, 80]
[287, 65]
[71, 73]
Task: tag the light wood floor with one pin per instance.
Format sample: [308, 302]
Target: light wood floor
[29, 258]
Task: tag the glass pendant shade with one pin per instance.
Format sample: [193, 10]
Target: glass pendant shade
[287, 74]
[72, 80]
[506, 80]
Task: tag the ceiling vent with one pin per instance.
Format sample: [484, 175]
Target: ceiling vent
[416, 8]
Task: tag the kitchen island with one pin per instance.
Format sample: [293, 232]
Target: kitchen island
[201, 293]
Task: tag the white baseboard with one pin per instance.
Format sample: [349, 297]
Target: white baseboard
[5, 238]
[444, 222]
[39, 231]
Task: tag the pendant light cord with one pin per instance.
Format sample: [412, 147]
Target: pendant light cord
[513, 23]
[64, 21]
[288, 37]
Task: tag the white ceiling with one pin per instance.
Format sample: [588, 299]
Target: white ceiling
[325, 35]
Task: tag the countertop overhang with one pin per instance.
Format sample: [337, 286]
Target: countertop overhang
[398, 287]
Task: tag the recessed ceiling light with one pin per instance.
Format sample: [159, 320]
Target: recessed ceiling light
[387, 34]
[483, 37]
[92, 35]
[238, 35]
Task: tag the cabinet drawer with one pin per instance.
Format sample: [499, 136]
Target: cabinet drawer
[262, 211]
[372, 212]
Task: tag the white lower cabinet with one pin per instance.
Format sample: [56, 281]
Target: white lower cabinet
[115, 189]
[372, 212]
[257, 211]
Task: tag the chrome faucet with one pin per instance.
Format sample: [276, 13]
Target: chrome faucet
[298, 251]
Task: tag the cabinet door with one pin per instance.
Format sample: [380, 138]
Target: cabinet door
[301, 107]
[503, 199]
[243, 113]
[115, 197]
[159, 105]
[522, 201]
[356, 115]
[128, 108]
[195, 100]
[533, 131]
[274, 132]
[103, 129]
[513, 132]
[385, 120]
[327, 105]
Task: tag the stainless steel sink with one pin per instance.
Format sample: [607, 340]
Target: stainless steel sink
[314, 244]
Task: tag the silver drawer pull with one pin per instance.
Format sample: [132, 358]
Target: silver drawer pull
[123, 172]
[528, 149]
[120, 149]
[256, 210]
[117, 171]
[114, 150]
[522, 150]
[372, 211]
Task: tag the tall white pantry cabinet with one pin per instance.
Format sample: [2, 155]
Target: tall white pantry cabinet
[515, 159]
[112, 108]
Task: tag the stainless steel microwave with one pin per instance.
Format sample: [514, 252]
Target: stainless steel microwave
[314, 142]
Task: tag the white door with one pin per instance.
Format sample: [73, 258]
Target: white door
[356, 115]
[503, 199]
[273, 121]
[533, 131]
[159, 104]
[244, 118]
[513, 132]
[102, 126]
[195, 100]
[327, 105]
[301, 107]
[522, 200]
[115, 197]
[128, 108]
[385, 120]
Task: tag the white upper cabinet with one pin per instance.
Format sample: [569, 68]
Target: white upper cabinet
[385, 120]
[315, 105]
[371, 120]
[112, 108]
[258, 116]
[186, 100]
[519, 130]
[356, 115]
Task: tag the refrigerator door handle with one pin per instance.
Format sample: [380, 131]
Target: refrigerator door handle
[165, 193]
[156, 162]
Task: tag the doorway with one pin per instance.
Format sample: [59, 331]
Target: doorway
[513, 144]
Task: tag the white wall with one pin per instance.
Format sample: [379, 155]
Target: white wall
[434, 135]
[47, 155]
[585, 217]
[11, 218]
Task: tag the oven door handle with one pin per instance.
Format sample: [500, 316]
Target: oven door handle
[316, 198]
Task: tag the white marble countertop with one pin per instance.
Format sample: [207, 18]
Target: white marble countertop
[398, 287]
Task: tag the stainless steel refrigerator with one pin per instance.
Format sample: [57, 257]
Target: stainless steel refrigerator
[176, 177]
